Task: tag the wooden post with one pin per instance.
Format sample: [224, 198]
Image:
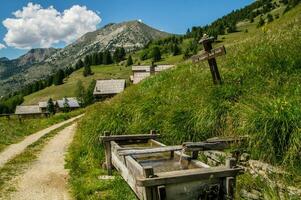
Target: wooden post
[172, 154]
[108, 154]
[195, 155]
[229, 182]
[207, 43]
[230, 162]
[150, 193]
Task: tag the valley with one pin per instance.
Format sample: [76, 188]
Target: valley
[258, 100]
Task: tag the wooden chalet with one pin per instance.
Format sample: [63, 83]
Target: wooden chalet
[29, 111]
[43, 105]
[108, 88]
[70, 102]
[141, 72]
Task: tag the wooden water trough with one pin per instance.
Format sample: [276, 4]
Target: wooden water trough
[155, 171]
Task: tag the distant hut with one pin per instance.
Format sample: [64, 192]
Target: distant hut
[29, 111]
[43, 105]
[108, 88]
[143, 71]
[70, 102]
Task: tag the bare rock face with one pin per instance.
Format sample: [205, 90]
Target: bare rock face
[35, 56]
[39, 63]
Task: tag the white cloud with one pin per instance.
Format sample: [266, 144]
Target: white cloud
[35, 26]
[140, 20]
[2, 46]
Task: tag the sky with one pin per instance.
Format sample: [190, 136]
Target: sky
[55, 23]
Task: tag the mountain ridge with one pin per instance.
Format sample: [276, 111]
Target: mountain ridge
[37, 64]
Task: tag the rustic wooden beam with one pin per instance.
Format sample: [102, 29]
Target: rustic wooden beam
[165, 178]
[150, 150]
[108, 154]
[228, 139]
[128, 137]
[202, 146]
[209, 55]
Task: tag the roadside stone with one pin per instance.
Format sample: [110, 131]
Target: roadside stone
[250, 195]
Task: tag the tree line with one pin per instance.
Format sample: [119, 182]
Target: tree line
[227, 24]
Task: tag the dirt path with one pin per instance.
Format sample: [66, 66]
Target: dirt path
[47, 177]
[13, 150]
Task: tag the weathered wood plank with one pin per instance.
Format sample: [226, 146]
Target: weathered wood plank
[150, 150]
[129, 170]
[209, 55]
[181, 176]
[185, 156]
[128, 137]
[228, 139]
[202, 146]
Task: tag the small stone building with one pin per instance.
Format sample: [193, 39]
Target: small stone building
[108, 88]
[29, 111]
[143, 71]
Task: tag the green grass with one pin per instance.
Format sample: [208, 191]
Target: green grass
[20, 163]
[69, 87]
[260, 96]
[12, 131]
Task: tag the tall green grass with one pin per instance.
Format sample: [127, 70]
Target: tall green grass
[260, 97]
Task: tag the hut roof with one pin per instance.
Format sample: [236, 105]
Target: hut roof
[27, 110]
[147, 68]
[43, 104]
[109, 87]
[71, 101]
[160, 68]
[139, 68]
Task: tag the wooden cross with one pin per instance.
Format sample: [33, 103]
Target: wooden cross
[210, 55]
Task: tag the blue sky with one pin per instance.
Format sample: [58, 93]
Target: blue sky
[173, 16]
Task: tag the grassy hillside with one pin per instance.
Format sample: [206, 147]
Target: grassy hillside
[69, 87]
[260, 96]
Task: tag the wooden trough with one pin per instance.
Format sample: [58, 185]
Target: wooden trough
[158, 172]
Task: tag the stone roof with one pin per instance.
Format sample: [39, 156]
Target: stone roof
[28, 110]
[104, 87]
[72, 102]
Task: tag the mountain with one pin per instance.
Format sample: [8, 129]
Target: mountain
[3, 59]
[39, 63]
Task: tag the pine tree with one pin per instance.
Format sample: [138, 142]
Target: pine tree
[94, 59]
[270, 18]
[129, 61]
[79, 64]
[80, 93]
[59, 77]
[107, 58]
[156, 54]
[89, 97]
[66, 107]
[87, 70]
[119, 54]
[176, 50]
[260, 23]
[100, 58]
[87, 61]
[50, 107]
